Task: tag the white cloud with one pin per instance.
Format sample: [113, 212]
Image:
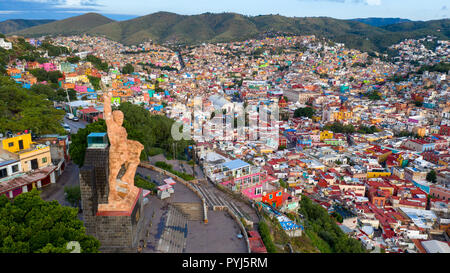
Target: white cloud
[373, 2]
[10, 11]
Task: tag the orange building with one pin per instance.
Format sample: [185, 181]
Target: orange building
[274, 198]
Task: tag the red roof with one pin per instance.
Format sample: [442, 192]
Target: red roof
[89, 110]
[256, 243]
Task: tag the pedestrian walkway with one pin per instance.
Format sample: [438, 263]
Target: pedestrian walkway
[216, 202]
[173, 239]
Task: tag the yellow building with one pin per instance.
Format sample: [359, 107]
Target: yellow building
[326, 135]
[421, 131]
[17, 143]
[343, 114]
[31, 156]
[377, 174]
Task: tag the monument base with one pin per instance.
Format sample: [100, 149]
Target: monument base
[119, 229]
[122, 207]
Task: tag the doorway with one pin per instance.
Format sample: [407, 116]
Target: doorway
[34, 164]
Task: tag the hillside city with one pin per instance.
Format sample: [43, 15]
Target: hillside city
[353, 158]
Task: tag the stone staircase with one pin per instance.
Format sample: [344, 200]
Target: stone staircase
[216, 202]
[193, 211]
[173, 239]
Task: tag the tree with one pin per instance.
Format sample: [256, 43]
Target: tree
[374, 95]
[24, 110]
[97, 62]
[29, 224]
[73, 60]
[431, 176]
[283, 183]
[42, 75]
[264, 230]
[304, 112]
[418, 103]
[54, 50]
[73, 195]
[78, 146]
[95, 82]
[128, 69]
[338, 217]
[323, 230]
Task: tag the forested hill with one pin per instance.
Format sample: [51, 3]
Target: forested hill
[169, 27]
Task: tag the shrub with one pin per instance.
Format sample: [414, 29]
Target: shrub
[263, 229]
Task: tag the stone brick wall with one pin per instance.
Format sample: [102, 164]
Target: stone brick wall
[115, 233]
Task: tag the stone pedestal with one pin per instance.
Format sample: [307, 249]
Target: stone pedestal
[118, 230]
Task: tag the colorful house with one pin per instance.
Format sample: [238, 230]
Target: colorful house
[326, 135]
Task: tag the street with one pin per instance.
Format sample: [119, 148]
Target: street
[56, 191]
[75, 125]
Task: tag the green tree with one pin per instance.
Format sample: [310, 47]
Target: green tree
[304, 112]
[97, 62]
[73, 60]
[40, 74]
[418, 103]
[73, 195]
[29, 224]
[128, 69]
[264, 230]
[374, 95]
[431, 176]
[95, 82]
[145, 184]
[21, 110]
[78, 146]
[323, 230]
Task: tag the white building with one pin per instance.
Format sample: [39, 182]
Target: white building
[4, 44]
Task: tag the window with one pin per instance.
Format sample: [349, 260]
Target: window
[15, 168]
[3, 173]
[258, 191]
[247, 180]
[256, 179]
[44, 160]
[270, 196]
[279, 193]
[11, 144]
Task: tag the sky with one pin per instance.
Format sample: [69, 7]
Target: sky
[126, 9]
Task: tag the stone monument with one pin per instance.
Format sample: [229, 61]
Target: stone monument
[112, 205]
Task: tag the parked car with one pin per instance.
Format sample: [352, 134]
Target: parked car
[75, 119]
[70, 116]
[67, 128]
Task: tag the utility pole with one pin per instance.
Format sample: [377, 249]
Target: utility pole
[68, 100]
[193, 159]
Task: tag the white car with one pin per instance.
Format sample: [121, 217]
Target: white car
[70, 116]
[67, 128]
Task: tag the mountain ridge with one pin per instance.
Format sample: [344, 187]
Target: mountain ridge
[13, 25]
[380, 22]
[72, 25]
[167, 27]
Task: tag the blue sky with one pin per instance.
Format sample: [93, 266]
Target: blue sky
[127, 9]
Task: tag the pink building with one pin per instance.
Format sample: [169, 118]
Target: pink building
[48, 67]
[81, 88]
[240, 176]
[440, 192]
[136, 88]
